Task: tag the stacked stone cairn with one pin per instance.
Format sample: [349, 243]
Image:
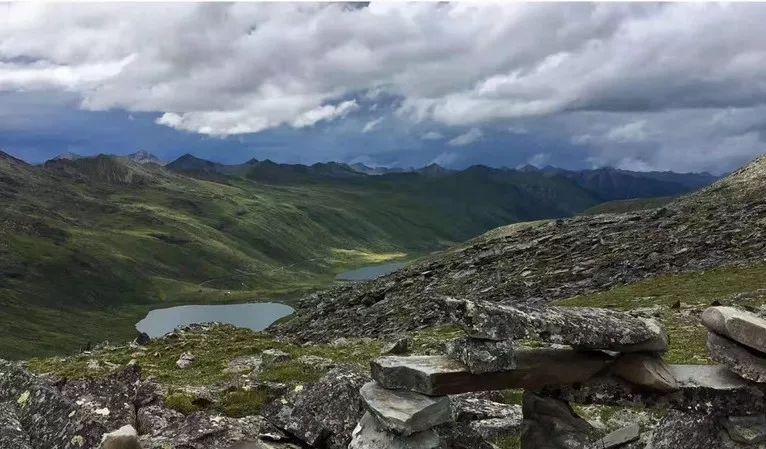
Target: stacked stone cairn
[592, 356]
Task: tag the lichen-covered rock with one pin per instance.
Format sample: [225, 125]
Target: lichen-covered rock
[619, 437]
[49, 419]
[155, 419]
[480, 422]
[12, 435]
[581, 327]
[323, 413]
[742, 360]
[405, 412]
[483, 356]
[741, 326]
[398, 347]
[185, 360]
[202, 430]
[680, 430]
[550, 423]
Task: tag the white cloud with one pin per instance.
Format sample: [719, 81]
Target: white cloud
[432, 135]
[467, 138]
[225, 69]
[371, 125]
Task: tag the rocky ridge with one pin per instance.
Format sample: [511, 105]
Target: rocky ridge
[535, 263]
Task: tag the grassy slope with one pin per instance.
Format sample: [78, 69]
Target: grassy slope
[695, 291]
[631, 205]
[88, 247]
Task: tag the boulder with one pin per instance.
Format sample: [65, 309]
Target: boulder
[551, 423]
[203, 430]
[619, 437]
[480, 422]
[483, 356]
[125, 437]
[750, 430]
[49, 419]
[440, 375]
[682, 430]
[645, 370]
[405, 412]
[12, 435]
[371, 434]
[741, 326]
[742, 360]
[323, 413]
[271, 357]
[397, 347]
[581, 327]
[185, 360]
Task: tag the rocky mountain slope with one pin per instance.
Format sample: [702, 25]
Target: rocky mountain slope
[721, 225]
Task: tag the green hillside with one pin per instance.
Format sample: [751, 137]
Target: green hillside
[88, 246]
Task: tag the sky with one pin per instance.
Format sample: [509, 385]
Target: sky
[671, 86]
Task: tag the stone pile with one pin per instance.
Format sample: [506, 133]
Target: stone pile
[407, 401]
[737, 340]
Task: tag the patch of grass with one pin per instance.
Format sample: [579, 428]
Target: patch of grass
[695, 291]
[433, 339]
[181, 402]
[239, 403]
[512, 397]
[511, 442]
[291, 372]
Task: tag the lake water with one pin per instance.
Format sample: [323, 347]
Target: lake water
[371, 272]
[255, 316]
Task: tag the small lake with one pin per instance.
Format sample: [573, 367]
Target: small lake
[370, 272]
[255, 316]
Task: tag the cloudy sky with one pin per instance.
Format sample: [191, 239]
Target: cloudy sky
[638, 86]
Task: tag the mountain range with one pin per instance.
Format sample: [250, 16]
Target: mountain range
[101, 240]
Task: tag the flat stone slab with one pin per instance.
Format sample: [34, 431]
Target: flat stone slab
[701, 388]
[740, 359]
[440, 375]
[371, 434]
[581, 327]
[741, 326]
[483, 356]
[405, 412]
[646, 370]
[619, 437]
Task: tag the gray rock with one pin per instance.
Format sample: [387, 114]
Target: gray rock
[321, 363]
[202, 430]
[370, 434]
[243, 364]
[125, 437]
[483, 356]
[741, 326]
[479, 423]
[48, 417]
[701, 388]
[405, 412]
[397, 347]
[440, 375]
[681, 430]
[550, 423]
[619, 437]
[12, 435]
[645, 370]
[740, 359]
[746, 429]
[185, 360]
[153, 420]
[581, 327]
[326, 411]
[274, 356]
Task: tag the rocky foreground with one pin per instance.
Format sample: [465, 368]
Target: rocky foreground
[536, 263]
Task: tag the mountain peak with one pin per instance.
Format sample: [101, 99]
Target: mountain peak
[67, 156]
[144, 157]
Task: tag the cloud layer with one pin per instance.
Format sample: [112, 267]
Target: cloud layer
[609, 77]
